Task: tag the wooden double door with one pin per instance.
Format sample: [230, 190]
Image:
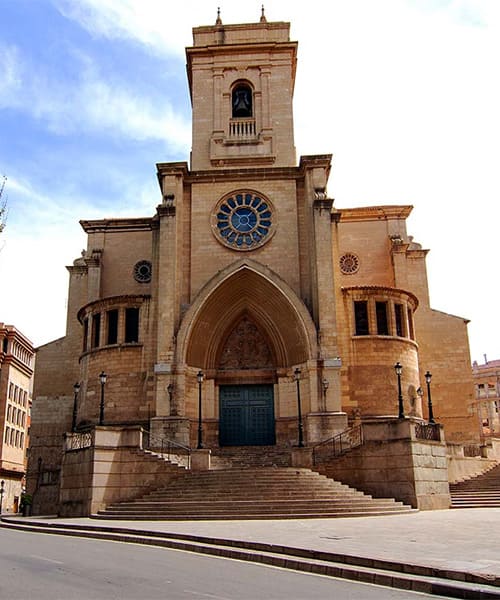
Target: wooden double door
[246, 415]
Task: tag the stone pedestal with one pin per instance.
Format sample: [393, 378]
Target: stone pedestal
[302, 458]
[321, 426]
[200, 459]
[175, 429]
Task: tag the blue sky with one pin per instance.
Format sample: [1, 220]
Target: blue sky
[404, 93]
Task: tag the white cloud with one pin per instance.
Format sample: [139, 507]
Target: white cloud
[89, 104]
[404, 93]
[10, 74]
[162, 27]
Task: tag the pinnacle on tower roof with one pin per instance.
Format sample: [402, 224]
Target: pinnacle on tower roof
[218, 20]
[263, 16]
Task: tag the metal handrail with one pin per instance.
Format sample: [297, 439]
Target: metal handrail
[166, 448]
[338, 444]
[79, 441]
[428, 431]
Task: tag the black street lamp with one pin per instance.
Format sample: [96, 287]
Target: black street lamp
[76, 389]
[296, 375]
[2, 491]
[199, 377]
[399, 369]
[102, 379]
[325, 384]
[428, 377]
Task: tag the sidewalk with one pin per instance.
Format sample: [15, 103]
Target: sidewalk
[463, 541]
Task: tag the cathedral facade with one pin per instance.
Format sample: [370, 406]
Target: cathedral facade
[249, 310]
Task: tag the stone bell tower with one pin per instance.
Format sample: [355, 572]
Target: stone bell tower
[241, 80]
[245, 291]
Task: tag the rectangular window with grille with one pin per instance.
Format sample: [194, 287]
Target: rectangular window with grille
[112, 326]
[96, 330]
[361, 317]
[410, 324]
[131, 325]
[398, 311]
[382, 321]
[85, 333]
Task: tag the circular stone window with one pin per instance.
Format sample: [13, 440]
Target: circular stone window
[244, 220]
[349, 263]
[142, 271]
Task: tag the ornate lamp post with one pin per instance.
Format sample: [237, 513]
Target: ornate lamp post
[199, 377]
[296, 376]
[399, 369]
[325, 384]
[428, 377]
[102, 379]
[76, 389]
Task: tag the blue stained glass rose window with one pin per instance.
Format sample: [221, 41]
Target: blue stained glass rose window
[243, 221]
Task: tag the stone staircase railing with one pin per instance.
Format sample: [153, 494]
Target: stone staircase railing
[338, 444]
[166, 448]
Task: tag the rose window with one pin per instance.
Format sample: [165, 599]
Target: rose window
[243, 221]
[349, 263]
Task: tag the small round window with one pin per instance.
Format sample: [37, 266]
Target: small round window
[244, 220]
[142, 271]
[349, 263]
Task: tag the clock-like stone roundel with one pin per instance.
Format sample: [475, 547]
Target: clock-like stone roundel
[243, 220]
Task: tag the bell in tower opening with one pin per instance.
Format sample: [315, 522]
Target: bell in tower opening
[242, 101]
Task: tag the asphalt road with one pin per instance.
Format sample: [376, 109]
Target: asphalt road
[38, 566]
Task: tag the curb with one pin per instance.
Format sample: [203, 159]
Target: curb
[412, 577]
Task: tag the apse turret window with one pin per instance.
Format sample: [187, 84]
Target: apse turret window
[382, 322]
[112, 326]
[96, 330]
[361, 317]
[398, 311]
[131, 325]
[242, 102]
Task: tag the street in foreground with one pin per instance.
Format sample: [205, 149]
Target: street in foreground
[51, 567]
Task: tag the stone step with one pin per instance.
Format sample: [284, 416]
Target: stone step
[251, 516]
[482, 491]
[254, 493]
[263, 503]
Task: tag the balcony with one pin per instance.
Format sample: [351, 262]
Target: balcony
[242, 129]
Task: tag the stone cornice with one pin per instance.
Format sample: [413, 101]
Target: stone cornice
[112, 301]
[380, 289]
[238, 174]
[117, 225]
[376, 213]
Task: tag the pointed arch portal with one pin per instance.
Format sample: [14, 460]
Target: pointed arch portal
[246, 329]
[251, 296]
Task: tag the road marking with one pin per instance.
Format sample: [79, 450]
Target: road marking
[205, 595]
[56, 562]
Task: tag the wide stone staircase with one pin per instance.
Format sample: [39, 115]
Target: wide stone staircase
[250, 456]
[253, 493]
[482, 491]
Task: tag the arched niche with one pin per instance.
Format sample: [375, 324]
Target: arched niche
[246, 289]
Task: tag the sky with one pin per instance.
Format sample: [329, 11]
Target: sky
[404, 93]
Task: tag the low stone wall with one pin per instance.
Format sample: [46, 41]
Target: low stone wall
[393, 463]
[114, 469]
[464, 467]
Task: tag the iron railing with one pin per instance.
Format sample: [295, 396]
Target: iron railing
[428, 431]
[337, 445]
[167, 449]
[472, 450]
[79, 441]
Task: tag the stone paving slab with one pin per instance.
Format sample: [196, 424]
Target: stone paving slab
[465, 540]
